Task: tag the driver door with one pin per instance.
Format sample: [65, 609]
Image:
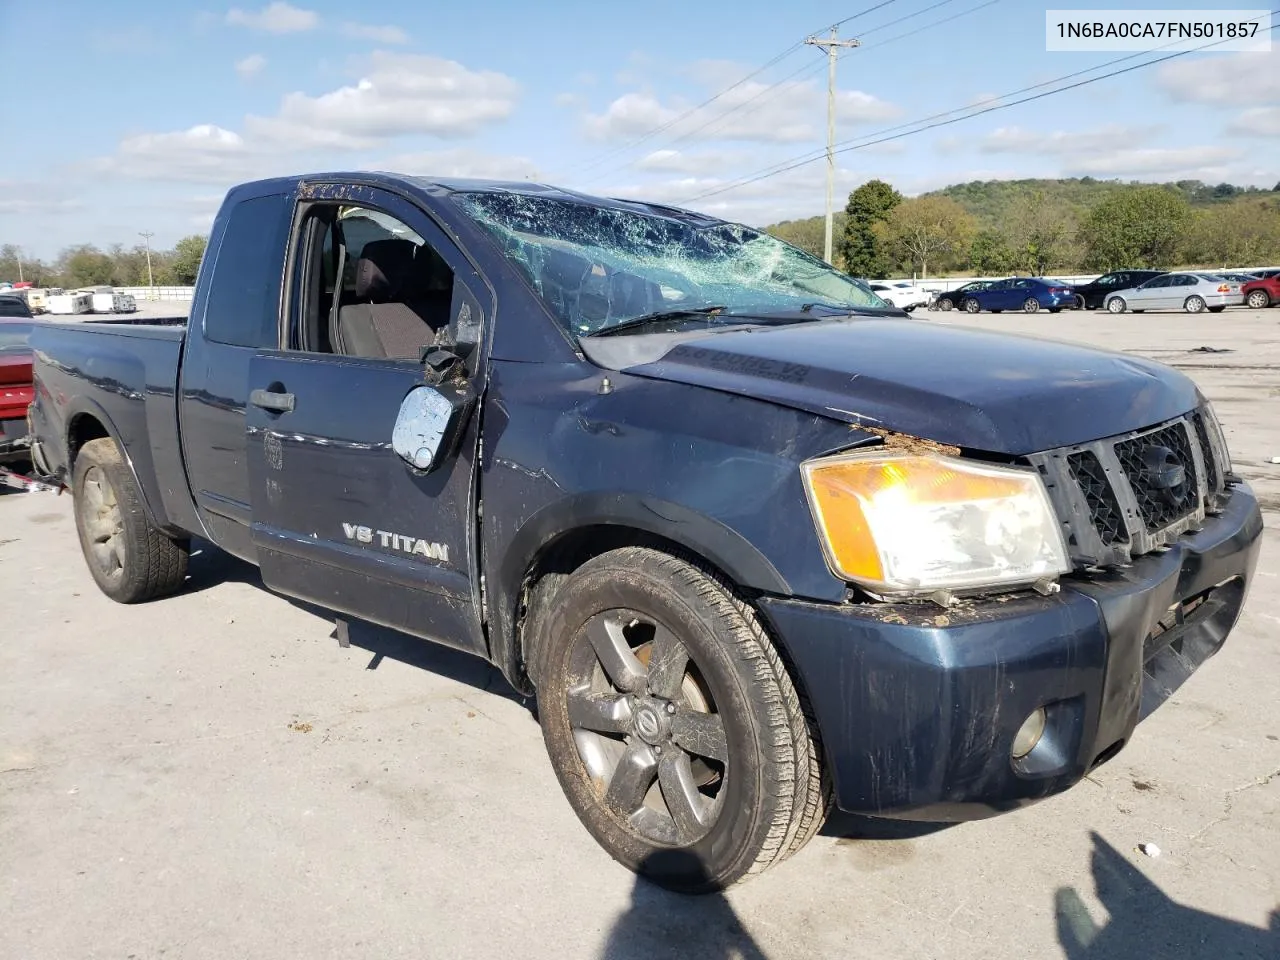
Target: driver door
[338, 517]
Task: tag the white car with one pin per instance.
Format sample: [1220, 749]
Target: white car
[901, 293]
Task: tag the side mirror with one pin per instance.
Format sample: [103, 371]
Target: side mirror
[430, 423]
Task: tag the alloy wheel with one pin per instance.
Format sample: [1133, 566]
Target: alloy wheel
[646, 728]
[1115, 305]
[1259, 299]
[1194, 304]
[1030, 305]
[104, 523]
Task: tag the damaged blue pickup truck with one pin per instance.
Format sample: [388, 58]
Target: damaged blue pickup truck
[759, 543]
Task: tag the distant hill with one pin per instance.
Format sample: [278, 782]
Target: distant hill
[989, 201]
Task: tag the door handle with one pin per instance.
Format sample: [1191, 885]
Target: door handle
[276, 402]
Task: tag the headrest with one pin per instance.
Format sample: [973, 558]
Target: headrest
[430, 274]
[382, 269]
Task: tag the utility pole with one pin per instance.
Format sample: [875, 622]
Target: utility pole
[146, 238]
[831, 44]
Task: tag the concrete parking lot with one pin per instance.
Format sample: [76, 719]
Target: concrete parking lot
[211, 775]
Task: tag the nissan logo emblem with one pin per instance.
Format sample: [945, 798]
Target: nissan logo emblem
[1165, 472]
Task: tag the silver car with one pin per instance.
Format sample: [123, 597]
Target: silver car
[1192, 292]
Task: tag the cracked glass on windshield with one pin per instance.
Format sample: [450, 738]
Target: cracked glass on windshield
[596, 267]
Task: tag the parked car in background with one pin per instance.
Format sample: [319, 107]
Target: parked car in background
[1192, 292]
[16, 389]
[951, 299]
[1237, 276]
[1263, 292]
[901, 293]
[1028, 294]
[1091, 296]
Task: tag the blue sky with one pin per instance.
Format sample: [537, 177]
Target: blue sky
[138, 115]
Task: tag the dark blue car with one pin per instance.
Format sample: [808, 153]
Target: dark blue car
[1028, 294]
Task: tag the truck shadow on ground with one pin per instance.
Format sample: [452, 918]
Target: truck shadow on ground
[1144, 922]
[210, 567]
[660, 924]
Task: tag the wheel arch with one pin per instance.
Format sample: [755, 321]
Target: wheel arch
[563, 536]
[88, 421]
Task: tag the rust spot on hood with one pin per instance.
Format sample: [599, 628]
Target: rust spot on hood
[909, 444]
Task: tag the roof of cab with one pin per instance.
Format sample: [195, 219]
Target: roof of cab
[468, 185]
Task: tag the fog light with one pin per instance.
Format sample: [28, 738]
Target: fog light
[1029, 734]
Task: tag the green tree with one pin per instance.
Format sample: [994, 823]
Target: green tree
[859, 247]
[85, 265]
[989, 254]
[1243, 233]
[1042, 234]
[184, 262]
[16, 266]
[1136, 228]
[926, 230]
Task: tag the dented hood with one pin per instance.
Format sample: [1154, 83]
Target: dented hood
[969, 388]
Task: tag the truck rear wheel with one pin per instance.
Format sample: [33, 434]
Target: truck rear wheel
[129, 559]
[672, 723]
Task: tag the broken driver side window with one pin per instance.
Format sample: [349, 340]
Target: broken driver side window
[371, 286]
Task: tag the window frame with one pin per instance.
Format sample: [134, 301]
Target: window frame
[413, 216]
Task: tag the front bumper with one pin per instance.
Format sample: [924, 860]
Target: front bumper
[918, 706]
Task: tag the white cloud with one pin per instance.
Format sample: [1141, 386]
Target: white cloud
[251, 65]
[461, 162]
[35, 198]
[789, 112]
[1258, 122]
[366, 31]
[275, 17]
[1186, 162]
[676, 161]
[401, 94]
[1064, 142]
[1235, 79]
[201, 154]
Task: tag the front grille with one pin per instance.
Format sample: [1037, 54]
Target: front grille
[1128, 495]
[1210, 468]
[1098, 495]
[1159, 503]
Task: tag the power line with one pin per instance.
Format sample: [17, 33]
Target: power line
[777, 87]
[649, 135]
[788, 166]
[909, 16]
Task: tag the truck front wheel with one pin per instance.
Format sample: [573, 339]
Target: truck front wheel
[129, 559]
[672, 723]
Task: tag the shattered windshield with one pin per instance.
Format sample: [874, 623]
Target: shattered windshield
[598, 267]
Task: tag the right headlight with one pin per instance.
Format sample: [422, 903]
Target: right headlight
[901, 523]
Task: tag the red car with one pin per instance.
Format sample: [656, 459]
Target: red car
[16, 383]
[1263, 292]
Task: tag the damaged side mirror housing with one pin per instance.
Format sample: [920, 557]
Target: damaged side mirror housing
[430, 423]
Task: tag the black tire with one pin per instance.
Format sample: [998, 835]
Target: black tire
[753, 775]
[129, 559]
[1194, 304]
[945, 305]
[1030, 305]
[1259, 299]
[1117, 305]
[1216, 309]
[1055, 309]
[1081, 304]
[1140, 311]
[971, 305]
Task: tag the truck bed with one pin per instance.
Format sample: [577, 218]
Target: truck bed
[124, 374]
